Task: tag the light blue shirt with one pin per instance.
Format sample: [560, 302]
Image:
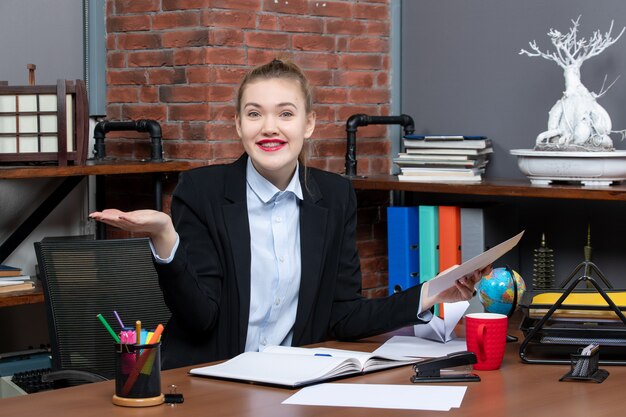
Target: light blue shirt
[274, 218]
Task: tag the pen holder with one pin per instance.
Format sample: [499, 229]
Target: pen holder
[138, 375]
[585, 368]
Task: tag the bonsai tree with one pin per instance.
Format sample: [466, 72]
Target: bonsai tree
[576, 122]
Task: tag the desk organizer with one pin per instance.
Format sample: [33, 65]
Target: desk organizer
[585, 368]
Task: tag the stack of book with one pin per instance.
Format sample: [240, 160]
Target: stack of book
[11, 279]
[443, 158]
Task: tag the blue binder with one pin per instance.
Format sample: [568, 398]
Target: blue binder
[403, 247]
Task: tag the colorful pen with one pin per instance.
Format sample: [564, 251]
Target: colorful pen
[119, 320]
[109, 329]
[138, 332]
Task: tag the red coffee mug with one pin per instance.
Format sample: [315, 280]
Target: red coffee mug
[485, 335]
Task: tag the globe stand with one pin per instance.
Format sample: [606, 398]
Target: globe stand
[509, 337]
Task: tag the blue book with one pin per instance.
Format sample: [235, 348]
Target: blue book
[403, 247]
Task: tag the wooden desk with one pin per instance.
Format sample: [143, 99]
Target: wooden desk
[515, 390]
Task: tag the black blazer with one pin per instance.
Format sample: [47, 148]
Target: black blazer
[207, 284]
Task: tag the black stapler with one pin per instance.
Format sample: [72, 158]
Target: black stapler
[429, 370]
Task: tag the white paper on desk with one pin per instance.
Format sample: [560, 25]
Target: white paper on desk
[447, 278]
[405, 397]
[442, 330]
[416, 347]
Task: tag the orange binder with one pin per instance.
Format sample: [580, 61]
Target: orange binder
[449, 239]
[449, 236]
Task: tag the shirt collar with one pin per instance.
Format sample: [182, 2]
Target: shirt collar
[265, 190]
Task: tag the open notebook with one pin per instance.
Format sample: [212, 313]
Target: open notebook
[295, 367]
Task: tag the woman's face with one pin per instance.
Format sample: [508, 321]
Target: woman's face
[272, 124]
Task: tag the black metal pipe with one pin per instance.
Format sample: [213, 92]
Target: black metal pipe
[360, 119]
[144, 125]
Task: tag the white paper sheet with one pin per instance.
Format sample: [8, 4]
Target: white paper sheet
[442, 330]
[406, 397]
[446, 279]
[416, 347]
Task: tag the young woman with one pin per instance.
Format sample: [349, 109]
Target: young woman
[263, 251]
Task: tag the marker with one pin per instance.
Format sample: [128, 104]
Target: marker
[119, 320]
[109, 329]
[138, 332]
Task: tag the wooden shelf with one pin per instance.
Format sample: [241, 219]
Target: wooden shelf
[497, 188]
[106, 167]
[22, 297]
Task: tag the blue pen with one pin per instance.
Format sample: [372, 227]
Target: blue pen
[323, 354]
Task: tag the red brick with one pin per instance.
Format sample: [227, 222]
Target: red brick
[356, 79]
[290, 7]
[346, 111]
[224, 113]
[329, 131]
[184, 4]
[150, 59]
[226, 151]
[324, 148]
[189, 56]
[186, 38]
[313, 43]
[225, 37]
[127, 23]
[158, 76]
[236, 4]
[175, 20]
[188, 112]
[116, 59]
[263, 56]
[382, 80]
[218, 93]
[369, 95]
[331, 95]
[184, 93]
[227, 18]
[111, 42]
[345, 27]
[317, 61]
[126, 76]
[223, 131]
[114, 112]
[371, 11]
[267, 22]
[229, 75]
[141, 111]
[171, 131]
[368, 45]
[361, 62]
[190, 150]
[122, 94]
[375, 293]
[331, 8]
[325, 113]
[225, 56]
[378, 28]
[320, 78]
[201, 74]
[194, 130]
[267, 40]
[301, 24]
[136, 6]
[138, 41]
[374, 146]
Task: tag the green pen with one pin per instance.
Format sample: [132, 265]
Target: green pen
[110, 330]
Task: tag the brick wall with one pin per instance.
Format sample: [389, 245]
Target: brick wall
[180, 61]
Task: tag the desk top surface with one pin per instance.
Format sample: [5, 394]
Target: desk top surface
[516, 389]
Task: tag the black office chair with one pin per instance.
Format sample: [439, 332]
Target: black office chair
[84, 278]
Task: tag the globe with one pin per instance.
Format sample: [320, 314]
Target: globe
[496, 290]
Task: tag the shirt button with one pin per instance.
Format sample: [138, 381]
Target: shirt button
[279, 219]
[281, 258]
[277, 301]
